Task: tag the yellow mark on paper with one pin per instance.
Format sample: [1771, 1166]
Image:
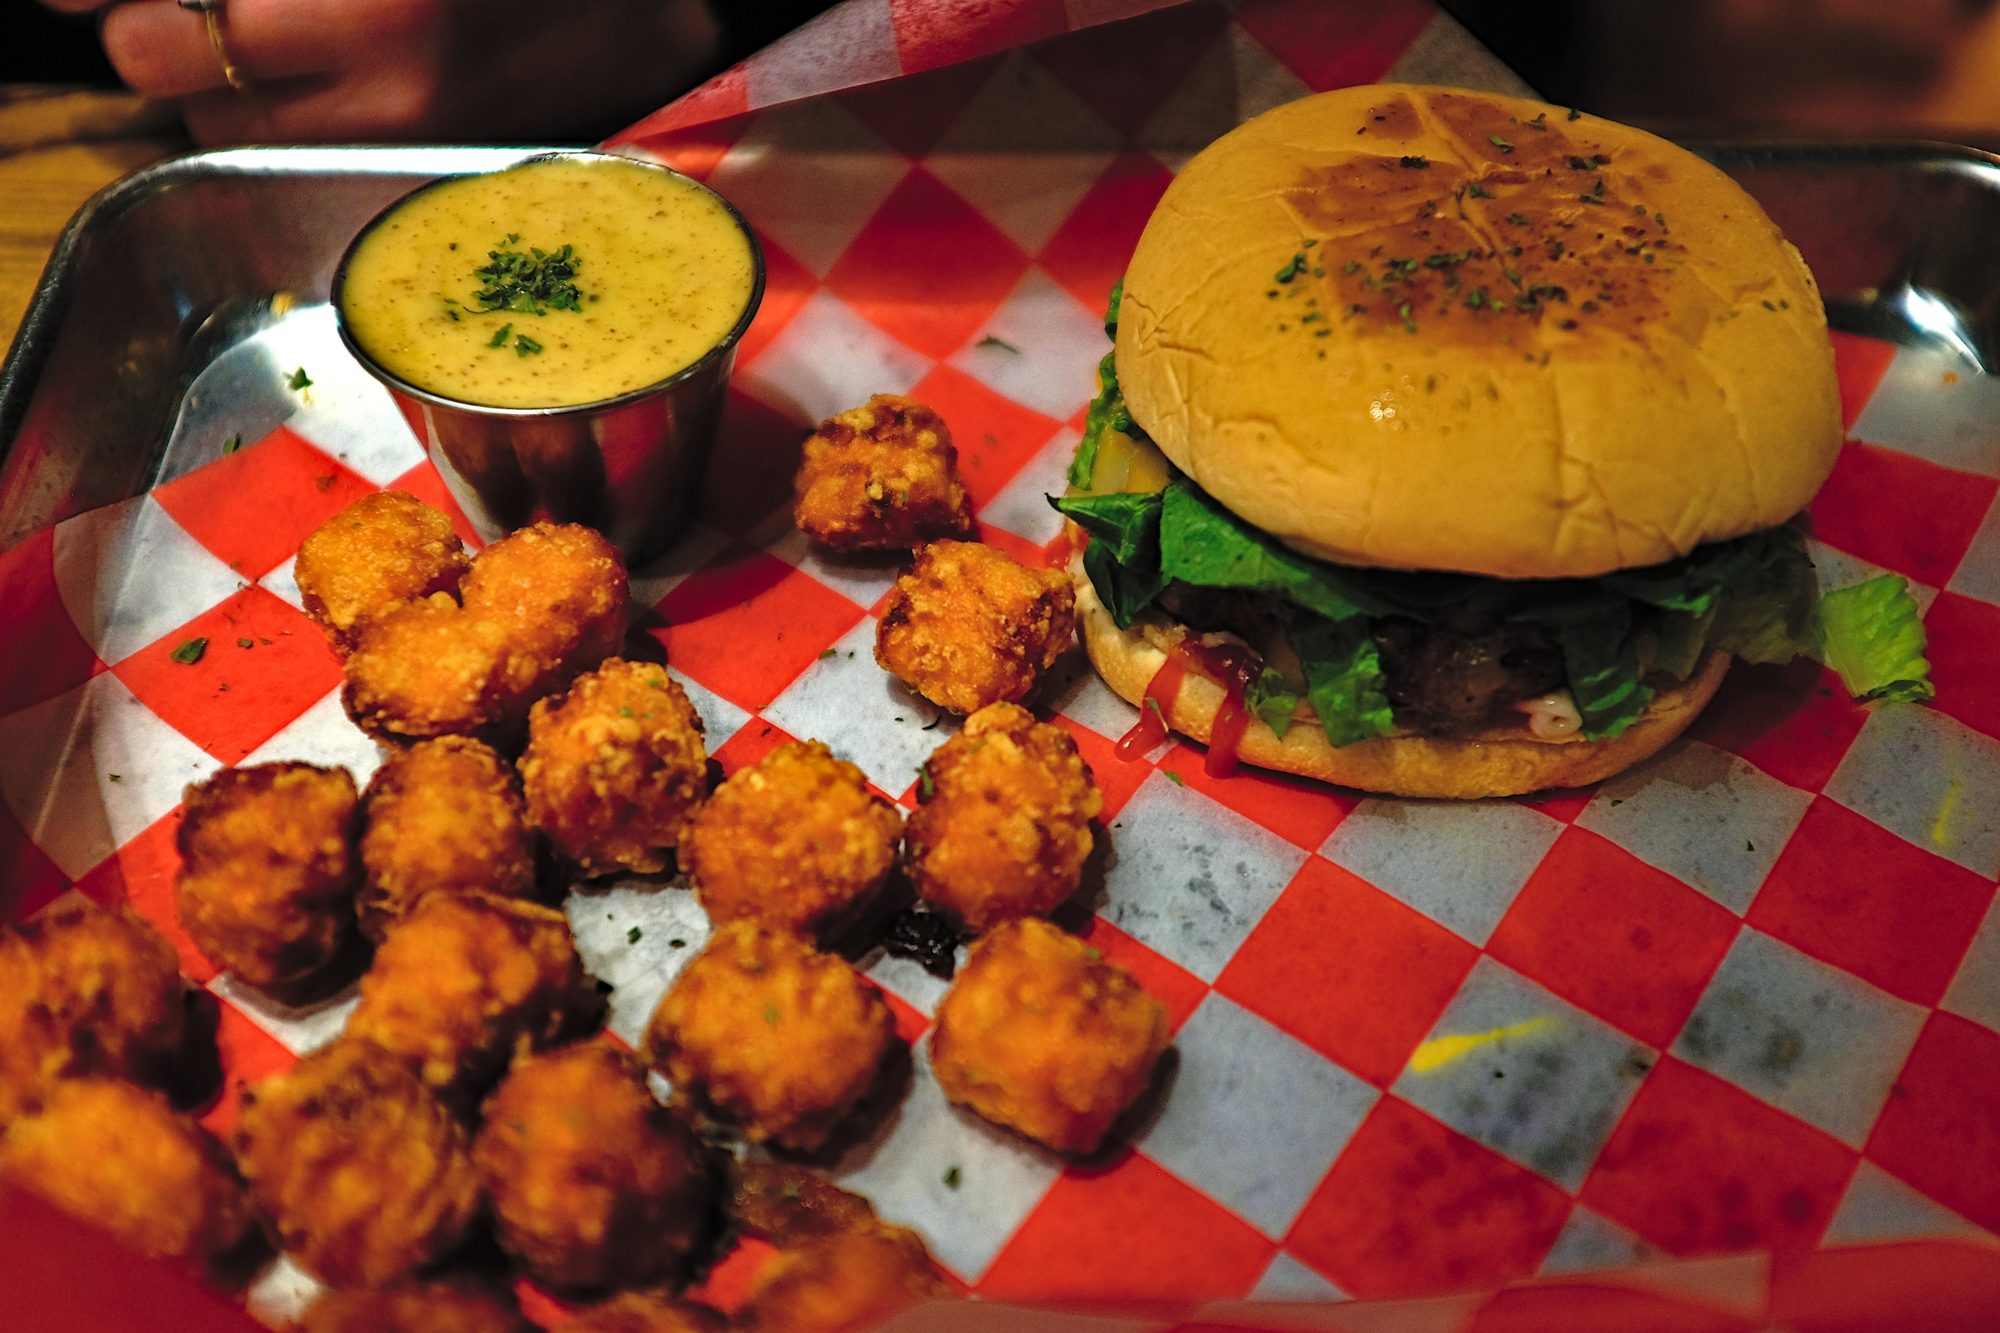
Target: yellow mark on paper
[1945, 812]
[1438, 1052]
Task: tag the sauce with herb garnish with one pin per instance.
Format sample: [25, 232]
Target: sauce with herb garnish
[550, 284]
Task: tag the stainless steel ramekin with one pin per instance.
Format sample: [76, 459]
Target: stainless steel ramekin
[629, 466]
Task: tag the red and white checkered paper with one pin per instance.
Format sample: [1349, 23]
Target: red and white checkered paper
[1740, 1005]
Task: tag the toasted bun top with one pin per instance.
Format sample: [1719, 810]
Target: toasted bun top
[1423, 328]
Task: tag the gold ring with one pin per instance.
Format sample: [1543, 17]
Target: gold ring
[211, 17]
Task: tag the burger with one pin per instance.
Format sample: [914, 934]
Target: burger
[1452, 445]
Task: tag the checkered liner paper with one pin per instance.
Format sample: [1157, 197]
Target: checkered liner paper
[1739, 1007]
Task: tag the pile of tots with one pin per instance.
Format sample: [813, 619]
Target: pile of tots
[473, 1092]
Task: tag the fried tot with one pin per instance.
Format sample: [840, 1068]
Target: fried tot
[117, 1155]
[380, 552]
[795, 841]
[268, 873]
[444, 816]
[766, 1032]
[968, 625]
[593, 1183]
[432, 1307]
[540, 606]
[785, 1203]
[1041, 1035]
[363, 1174]
[882, 477]
[559, 591]
[428, 668]
[85, 990]
[1003, 825]
[466, 981]
[646, 1312]
[845, 1280]
[614, 767]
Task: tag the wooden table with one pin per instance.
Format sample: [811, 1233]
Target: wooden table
[57, 148]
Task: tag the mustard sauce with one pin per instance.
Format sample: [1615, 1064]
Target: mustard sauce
[657, 274]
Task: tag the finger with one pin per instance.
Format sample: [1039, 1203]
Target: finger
[162, 50]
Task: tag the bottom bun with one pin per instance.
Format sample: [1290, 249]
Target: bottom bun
[1488, 764]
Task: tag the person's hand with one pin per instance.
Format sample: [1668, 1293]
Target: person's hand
[333, 70]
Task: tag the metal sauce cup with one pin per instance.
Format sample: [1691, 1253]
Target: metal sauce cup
[630, 466]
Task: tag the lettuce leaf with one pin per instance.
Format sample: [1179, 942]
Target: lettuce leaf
[1344, 682]
[1272, 698]
[1125, 590]
[1602, 663]
[1764, 614]
[1872, 635]
[1204, 544]
[1123, 558]
[1107, 412]
[1679, 641]
[1107, 409]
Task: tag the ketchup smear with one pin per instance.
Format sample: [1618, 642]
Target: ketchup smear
[1229, 665]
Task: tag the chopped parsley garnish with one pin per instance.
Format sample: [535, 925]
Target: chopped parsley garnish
[1596, 195]
[189, 651]
[634, 935]
[299, 379]
[1517, 219]
[246, 643]
[1478, 191]
[231, 445]
[500, 339]
[990, 341]
[926, 785]
[1293, 267]
[1500, 143]
[952, 1176]
[525, 346]
[1540, 122]
[1403, 313]
[1590, 163]
[1476, 298]
[1174, 777]
[1416, 162]
[1574, 114]
[533, 283]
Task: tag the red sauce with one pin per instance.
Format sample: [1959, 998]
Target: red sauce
[1233, 667]
[1155, 707]
[1066, 544]
[1230, 665]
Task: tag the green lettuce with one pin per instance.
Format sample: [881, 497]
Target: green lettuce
[1272, 698]
[1107, 409]
[1123, 558]
[1204, 544]
[1602, 663]
[1872, 635]
[1344, 681]
[1107, 412]
[1765, 613]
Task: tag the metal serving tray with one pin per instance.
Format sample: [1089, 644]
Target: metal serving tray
[177, 299]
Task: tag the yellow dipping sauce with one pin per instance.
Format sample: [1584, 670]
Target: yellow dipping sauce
[660, 272]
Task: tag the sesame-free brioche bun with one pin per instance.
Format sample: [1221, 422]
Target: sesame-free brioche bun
[1494, 763]
[1512, 342]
